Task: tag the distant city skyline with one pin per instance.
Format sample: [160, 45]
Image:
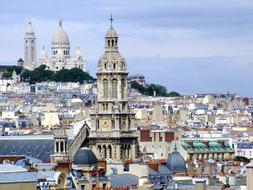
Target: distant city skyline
[185, 45]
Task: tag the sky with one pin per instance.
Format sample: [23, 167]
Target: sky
[189, 46]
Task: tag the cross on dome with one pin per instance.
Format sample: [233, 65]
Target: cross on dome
[111, 20]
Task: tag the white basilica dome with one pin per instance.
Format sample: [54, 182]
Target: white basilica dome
[60, 37]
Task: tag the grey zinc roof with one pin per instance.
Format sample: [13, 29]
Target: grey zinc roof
[18, 177]
[123, 180]
[36, 148]
[245, 145]
[85, 156]
[39, 147]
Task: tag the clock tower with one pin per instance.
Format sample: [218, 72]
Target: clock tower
[111, 136]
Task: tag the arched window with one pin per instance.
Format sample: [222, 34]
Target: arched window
[112, 43]
[99, 150]
[114, 65]
[61, 146]
[105, 65]
[105, 85]
[114, 88]
[109, 44]
[57, 147]
[105, 152]
[122, 88]
[110, 151]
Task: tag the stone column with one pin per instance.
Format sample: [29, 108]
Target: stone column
[63, 146]
[118, 152]
[133, 151]
[108, 153]
[128, 151]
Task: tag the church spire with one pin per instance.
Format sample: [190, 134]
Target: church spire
[29, 29]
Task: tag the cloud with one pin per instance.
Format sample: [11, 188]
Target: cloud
[200, 42]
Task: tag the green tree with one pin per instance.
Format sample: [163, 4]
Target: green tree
[9, 70]
[150, 89]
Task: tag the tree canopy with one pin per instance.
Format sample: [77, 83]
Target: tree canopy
[241, 159]
[149, 90]
[9, 70]
[41, 73]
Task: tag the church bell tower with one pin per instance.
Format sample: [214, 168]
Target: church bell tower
[29, 48]
[111, 136]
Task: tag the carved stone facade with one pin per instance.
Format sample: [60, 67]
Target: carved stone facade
[61, 58]
[111, 137]
[29, 48]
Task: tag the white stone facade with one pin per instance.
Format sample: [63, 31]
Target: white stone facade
[60, 47]
[29, 48]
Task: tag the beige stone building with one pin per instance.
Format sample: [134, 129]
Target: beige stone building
[111, 136]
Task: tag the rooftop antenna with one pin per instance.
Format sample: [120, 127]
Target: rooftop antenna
[111, 20]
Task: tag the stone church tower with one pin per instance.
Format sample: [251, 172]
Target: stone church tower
[111, 136]
[30, 48]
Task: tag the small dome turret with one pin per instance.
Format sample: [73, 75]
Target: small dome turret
[43, 54]
[111, 33]
[176, 162]
[78, 53]
[85, 156]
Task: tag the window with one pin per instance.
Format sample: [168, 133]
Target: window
[110, 151]
[105, 85]
[108, 43]
[113, 124]
[57, 146]
[122, 88]
[114, 88]
[61, 146]
[126, 167]
[112, 43]
[114, 65]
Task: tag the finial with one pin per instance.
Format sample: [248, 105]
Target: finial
[111, 20]
[60, 22]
